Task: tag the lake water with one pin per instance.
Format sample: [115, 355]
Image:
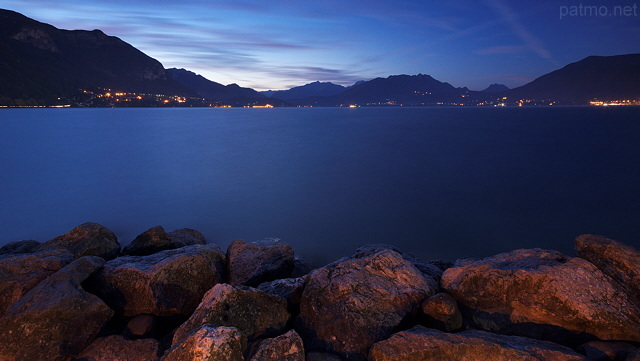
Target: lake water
[441, 183]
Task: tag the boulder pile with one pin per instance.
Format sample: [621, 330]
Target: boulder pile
[171, 296]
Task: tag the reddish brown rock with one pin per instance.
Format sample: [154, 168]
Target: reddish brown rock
[253, 263]
[349, 305]
[140, 326]
[253, 312]
[420, 343]
[156, 239]
[633, 356]
[21, 272]
[88, 239]
[617, 260]
[606, 351]
[322, 356]
[441, 312]
[166, 283]
[55, 320]
[117, 348]
[543, 294]
[287, 347]
[209, 343]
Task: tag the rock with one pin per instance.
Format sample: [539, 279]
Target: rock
[22, 272]
[300, 268]
[543, 294]
[431, 272]
[117, 348]
[322, 356]
[633, 356]
[420, 343]
[606, 351]
[441, 312]
[256, 262]
[288, 288]
[209, 343]
[253, 312]
[156, 239]
[617, 260]
[19, 247]
[140, 326]
[166, 283]
[55, 320]
[349, 305]
[287, 347]
[88, 239]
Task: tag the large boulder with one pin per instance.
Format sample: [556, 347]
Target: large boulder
[88, 239]
[253, 312]
[208, 343]
[349, 305]
[288, 288]
[430, 269]
[252, 263]
[606, 351]
[22, 272]
[156, 239]
[166, 283]
[543, 294]
[57, 319]
[117, 348]
[420, 343]
[287, 347]
[617, 260]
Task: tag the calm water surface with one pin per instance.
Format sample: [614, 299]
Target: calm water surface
[441, 183]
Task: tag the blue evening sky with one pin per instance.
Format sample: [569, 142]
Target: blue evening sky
[277, 44]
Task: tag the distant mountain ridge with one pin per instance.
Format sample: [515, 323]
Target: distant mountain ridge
[44, 65]
[41, 63]
[211, 90]
[315, 89]
[594, 77]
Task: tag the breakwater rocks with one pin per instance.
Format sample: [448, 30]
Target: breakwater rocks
[170, 296]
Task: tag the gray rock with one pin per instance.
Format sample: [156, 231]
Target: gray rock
[156, 239]
[349, 305]
[420, 343]
[441, 312]
[19, 273]
[617, 260]
[166, 283]
[117, 348]
[208, 343]
[288, 288]
[253, 263]
[287, 347]
[543, 294]
[19, 247]
[55, 320]
[254, 313]
[88, 239]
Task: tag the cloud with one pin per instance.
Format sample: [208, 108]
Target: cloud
[499, 50]
[531, 41]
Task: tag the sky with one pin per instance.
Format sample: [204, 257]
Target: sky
[278, 44]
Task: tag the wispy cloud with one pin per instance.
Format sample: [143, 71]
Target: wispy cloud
[510, 17]
[500, 50]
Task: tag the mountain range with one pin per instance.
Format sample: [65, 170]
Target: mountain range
[43, 65]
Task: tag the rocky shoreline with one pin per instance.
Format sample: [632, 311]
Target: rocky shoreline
[170, 296]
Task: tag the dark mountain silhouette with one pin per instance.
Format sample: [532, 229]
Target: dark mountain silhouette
[211, 90]
[402, 89]
[315, 89]
[495, 88]
[40, 63]
[595, 77]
